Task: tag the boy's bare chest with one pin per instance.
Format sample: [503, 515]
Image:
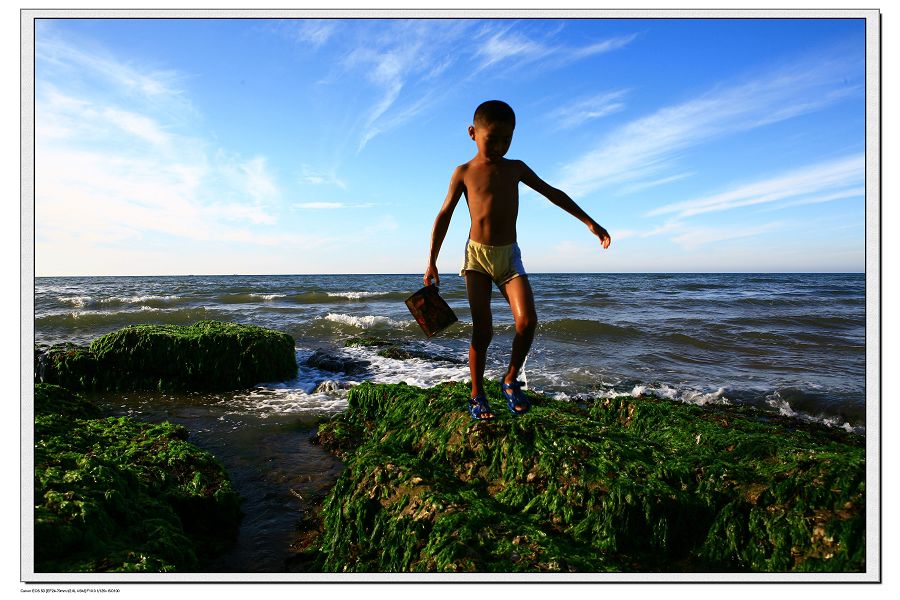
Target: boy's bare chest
[492, 183]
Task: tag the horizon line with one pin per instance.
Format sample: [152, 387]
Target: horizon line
[862, 272]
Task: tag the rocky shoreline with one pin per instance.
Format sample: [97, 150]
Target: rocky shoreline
[628, 484]
[208, 355]
[114, 494]
[117, 494]
[615, 485]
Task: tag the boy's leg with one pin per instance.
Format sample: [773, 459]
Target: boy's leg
[517, 292]
[478, 288]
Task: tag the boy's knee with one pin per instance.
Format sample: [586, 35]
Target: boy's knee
[481, 336]
[526, 324]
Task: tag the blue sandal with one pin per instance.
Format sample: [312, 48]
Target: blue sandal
[515, 397]
[478, 407]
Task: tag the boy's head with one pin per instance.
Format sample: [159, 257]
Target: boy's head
[492, 128]
[494, 111]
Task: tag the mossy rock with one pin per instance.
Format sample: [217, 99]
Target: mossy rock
[209, 355]
[366, 342]
[116, 494]
[397, 353]
[624, 484]
[67, 365]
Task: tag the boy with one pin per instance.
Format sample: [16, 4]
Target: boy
[490, 184]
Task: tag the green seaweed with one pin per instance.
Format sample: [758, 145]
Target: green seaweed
[366, 342]
[622, 484]
[398, 353]
[208, 355]
[116, 494]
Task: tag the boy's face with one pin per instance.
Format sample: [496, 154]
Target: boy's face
[492, 139]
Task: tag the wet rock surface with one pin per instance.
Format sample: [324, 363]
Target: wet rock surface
[629, 484]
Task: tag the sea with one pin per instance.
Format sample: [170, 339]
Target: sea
[790, 344]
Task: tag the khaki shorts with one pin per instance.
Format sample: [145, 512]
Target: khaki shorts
[500, 263]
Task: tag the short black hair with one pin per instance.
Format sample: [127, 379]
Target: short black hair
[494, 111]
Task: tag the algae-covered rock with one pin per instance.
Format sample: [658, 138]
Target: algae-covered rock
[399, 351]
[66, 364]
[336, 363]
[623, 484]
[209, 355]
[116, 494]
[366, 342]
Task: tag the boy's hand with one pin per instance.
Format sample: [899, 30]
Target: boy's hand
[431, 273]
[600, 233]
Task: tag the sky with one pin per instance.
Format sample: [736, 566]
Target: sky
[280, 146]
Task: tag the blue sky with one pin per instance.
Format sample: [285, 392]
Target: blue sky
[264, 146]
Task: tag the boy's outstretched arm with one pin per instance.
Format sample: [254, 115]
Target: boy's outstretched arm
[562, 200]
[441, 224]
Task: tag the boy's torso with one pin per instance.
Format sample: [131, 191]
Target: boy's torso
[492, 193]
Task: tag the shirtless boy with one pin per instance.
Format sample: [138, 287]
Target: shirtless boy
[490, 183]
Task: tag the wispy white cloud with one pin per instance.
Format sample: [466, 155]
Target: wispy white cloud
[695, 237]
[587, 109]
[116, 161]
[315, 32]
[856, 192]
[505, 45]
[313, 176]
[652, 183]
[89, 64]
[411, 64]
[821, 178]
[516, 48]
[258, 181]
[646, 148]
[138, 125]
[607, 45]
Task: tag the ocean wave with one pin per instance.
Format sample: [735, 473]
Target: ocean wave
[309, 297]
[804, 322]
[145, 299]
[366, 321]
[780, 403]
[686, 396]
[139, 316]
[775, 401]
[77, 301]
[249, 298]
[284, 400]
[585, 327]
[701, 287]
[318, 393]
[356, 295]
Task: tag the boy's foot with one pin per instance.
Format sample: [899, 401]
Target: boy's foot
[480, 409]
[516, 400]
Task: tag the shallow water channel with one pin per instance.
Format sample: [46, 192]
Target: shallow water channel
[272, 464]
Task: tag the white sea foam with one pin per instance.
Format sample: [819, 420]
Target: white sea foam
[268, 401]
[781, 405]
[365, 322]
[686, 396]
[785, 409]
[82, 301]
[318, 393]
[268, 297]
[76, 301]
[140, 299]
[354, 295]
